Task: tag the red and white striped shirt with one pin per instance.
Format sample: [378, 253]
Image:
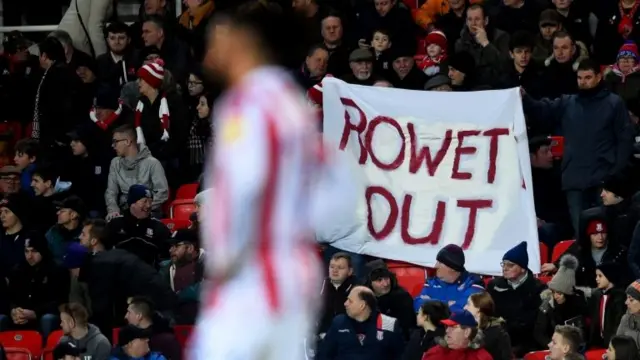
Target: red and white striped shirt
[266, 164]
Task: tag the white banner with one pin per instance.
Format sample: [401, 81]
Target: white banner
[432, 168]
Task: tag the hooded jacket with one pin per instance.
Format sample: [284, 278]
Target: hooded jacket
[93, 344]
[397, 304]
[496, 339]
[333, 299]
[551, 314]
[143, 169]
[455, 294]
[474, 351]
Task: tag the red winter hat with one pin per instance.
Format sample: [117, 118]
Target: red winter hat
[437, 37]
[629, 49]
[596, 227]
[152, 73]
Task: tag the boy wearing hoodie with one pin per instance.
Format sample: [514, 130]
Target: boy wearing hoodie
[82, 335]
[25, 159]
[606, 305]
[49, 190]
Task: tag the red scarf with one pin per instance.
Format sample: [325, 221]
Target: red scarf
[163, 115]
[104, 124]
[625, 27]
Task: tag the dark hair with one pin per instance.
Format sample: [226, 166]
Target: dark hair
[571, 334]
[315, 47]
[53, 49]
[436, 310]
[334, 14]
[382, 31]
[128, 130]
[561, 34]
[536, 142]
[485, 305]
[342, 255]
[625, 347]
[477, 6]
[157, 20]
[47, 172]
[589, 65]
[29, 147]
[99, 230]
[117, 27]
[521, 39]
[369, 298]
[142, 305]
[280, 34]
[77, 311]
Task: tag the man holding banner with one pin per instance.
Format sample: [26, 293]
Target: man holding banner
[453, 175]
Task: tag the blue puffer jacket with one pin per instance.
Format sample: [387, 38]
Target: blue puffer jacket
[455, 294]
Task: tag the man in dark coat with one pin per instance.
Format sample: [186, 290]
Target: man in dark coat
[335, 289]
[598, 135]
[516, 295]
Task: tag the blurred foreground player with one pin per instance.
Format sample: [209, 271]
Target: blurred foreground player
[269, 179]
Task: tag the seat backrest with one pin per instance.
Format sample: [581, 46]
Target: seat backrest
[544, 253]
[27, 339]
[54, 339]
[183, 332]
[595, 354]
[410, 278]
[182, 209]
[114, 336]
[536, 355]
[174, 224]
[560, 248]
[13, 353]
[47, 354]
[557, 146]
[187, 191]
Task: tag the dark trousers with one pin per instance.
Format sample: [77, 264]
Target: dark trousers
[580, 200]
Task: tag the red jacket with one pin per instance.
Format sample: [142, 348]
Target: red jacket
[440, 352]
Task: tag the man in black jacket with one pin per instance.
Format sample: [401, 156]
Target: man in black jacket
[335, 289]
[37, 287]
[118, 66]
[393, 300]
[598, 135]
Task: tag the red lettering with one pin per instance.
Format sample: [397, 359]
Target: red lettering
[425, 153]
[473, 206]
[393, 212]
[462, 150]
[493, 151]
[359, 128]
[368, 140]
[436, 227]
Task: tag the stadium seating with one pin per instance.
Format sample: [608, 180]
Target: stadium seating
[544, 253]
[595, 354]
[54, 339]
[411, 278]
[18, 354]
[560, 249]
[174, 224]
[183, 332]
[557, 146]
[114, 336]
[47, 354]
[27, 339]
[182, 209]
[187, 191]
[536, 355]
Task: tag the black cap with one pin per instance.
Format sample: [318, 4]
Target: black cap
[129, 333]
[550, 17]
[73, 203]
[66, 349]
[184, 236]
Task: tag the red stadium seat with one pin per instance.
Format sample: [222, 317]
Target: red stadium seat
[182, 209]
[174, 224]
[54, 339]
[545, 278]
[557, 146]
[536, 355]
[560, 248]
[411, 278]
[114, 336]
[27, 339]
[595, 354]
[411, 4]
[47, 354]
[544, 253]
[486, 280]
[18, 354]
[182, 334]
[187, 191]
[397, 264]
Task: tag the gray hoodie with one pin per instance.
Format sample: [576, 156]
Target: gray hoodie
[95, 345]
[145, 170]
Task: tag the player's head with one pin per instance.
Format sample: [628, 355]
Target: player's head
[257, 33]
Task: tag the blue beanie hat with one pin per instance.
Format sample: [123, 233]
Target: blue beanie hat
[137, 192]
[518, 255]
[75, 256]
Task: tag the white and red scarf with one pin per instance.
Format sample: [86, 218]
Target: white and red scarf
[104, 124]
[164, 120]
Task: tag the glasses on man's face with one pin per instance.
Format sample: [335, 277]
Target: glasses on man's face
[507, 265]
[115, 142]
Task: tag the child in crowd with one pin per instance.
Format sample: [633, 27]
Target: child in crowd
[564, 343]
[622, 348]
[606, 304]
[381, 43]
[562, 303]
[25, 159]
[623, 77]
[436, 47]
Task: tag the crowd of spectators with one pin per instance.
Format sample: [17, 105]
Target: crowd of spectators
[107, 140]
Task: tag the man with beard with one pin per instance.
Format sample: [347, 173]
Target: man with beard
[136, 231]
[597, 132]
[361, 63]
[184, 273]
[117, 66]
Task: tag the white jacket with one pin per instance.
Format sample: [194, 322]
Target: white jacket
[94, 13]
